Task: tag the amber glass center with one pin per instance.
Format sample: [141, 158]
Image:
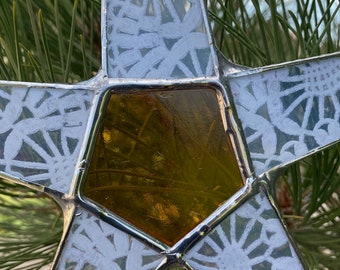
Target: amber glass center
[163, 161]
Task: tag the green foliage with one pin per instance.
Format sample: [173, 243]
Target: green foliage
[31, 225]
[49, 41]
[308, 194]
[258, 33]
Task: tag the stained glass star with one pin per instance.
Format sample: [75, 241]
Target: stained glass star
[165, 158]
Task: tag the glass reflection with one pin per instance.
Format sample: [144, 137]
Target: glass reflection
[163, 161]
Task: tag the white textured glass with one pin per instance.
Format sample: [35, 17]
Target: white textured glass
[157, 39]
[41, 133]
[252, 237]
[94, 244]
[289, 111]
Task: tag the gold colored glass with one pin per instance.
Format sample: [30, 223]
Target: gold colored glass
[163, 161]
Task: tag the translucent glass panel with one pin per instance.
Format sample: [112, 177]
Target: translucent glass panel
[288, 111]
[41, 133]
[163, 161]
[252, 237]
[157, 39]
[93, 244]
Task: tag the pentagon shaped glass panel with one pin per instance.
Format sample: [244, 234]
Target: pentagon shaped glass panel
[163, 161]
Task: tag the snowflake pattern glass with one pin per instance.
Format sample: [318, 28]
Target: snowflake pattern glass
[94, 244]
[251, 238]
[41, 132]
[157, 39]
[289, 111]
